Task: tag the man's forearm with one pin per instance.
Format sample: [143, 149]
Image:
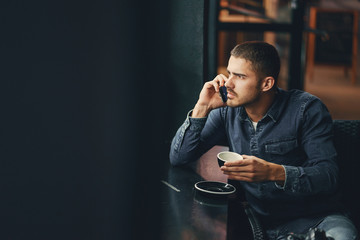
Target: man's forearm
[200, 111]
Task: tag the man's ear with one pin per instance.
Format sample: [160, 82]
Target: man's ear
[268, 84]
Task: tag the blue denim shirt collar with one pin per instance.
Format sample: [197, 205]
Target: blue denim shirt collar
[274, 111]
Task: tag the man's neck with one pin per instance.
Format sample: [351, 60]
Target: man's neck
[257, 110]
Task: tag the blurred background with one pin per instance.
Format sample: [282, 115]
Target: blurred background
[317, 40]
[92, 92]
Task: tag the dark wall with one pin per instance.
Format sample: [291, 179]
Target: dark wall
[91, 92]
[186, 55]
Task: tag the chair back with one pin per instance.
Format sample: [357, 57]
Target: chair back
[347, 144]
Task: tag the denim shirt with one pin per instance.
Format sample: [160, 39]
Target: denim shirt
[296, 133]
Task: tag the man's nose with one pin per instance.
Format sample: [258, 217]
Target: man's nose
[229, 83]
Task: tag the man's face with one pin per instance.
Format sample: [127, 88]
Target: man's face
[242, 85]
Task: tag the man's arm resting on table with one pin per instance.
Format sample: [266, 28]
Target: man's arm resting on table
[184, 144]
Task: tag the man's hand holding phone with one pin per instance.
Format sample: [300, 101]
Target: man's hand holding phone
[212, 96]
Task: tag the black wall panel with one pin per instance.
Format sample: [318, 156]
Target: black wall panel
[91, 92]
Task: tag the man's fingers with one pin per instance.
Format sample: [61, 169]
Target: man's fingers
[219, 81]
[242, 176]
[222, 79]
[235, 163]
[216, 86]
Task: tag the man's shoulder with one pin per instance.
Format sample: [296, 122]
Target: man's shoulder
[302, 102]
[300, 96]
[297, 101]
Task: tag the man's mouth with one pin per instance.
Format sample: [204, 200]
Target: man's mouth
[230, 94]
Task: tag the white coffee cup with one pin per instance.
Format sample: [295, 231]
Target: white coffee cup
[228, 156]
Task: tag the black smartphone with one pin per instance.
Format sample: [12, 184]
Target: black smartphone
[223, 93]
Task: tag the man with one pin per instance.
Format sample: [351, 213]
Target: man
[289, 171]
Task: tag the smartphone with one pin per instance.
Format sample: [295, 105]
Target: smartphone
[223, 93]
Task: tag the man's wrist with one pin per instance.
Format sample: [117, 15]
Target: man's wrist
[279, 174]
[200, 111]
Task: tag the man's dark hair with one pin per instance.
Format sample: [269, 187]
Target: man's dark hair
[264, 58]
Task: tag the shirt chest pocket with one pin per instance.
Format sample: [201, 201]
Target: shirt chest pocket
[282, 151]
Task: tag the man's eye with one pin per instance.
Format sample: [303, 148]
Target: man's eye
[240, 76]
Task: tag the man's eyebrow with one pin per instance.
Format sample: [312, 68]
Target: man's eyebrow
[237, 74]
